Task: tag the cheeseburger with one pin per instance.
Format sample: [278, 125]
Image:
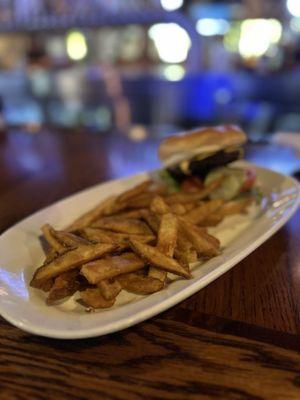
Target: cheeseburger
[197, 158]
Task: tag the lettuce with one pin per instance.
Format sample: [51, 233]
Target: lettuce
[168, 179]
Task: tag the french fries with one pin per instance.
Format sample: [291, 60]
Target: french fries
[64, 285]
[138, 284]
[191, 198]
[110, 267]
[87, 218]
[204, 210]
[131, 242]
[166, 243]
[122, 225]
[70, 260]
[200, 240]
[94, 298]
[154, 257]
[102, 236]
[137, 190]
[110, 288]
[50, 238]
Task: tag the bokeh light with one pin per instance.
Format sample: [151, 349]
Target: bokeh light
[172, 42]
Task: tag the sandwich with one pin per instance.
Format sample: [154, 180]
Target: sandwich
[197, 158]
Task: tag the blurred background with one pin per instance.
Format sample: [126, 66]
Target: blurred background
[150, 66]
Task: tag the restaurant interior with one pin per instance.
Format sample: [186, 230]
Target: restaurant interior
[150, 67]
[136, 265]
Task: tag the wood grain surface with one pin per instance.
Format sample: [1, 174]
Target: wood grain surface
[236, 339]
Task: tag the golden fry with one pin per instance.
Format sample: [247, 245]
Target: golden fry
[167, 234]
[157, 273]
[198, 214]
[99, 235]
[199, 239]
[212, 219]
[156, 258]
[123, 225]
[166, 243]
[186, 257]
[178, 209]
[48, 233]
[135, 191]
[69, 239]
[135, 214]
[191, 198]
[158, 206]
[138, 284]
[110, 267]
[92, 215]
[151, 220]
[64, 285]
[184, 252]
[94, 298]
[235, 207]
[70, 260]
[110, 288]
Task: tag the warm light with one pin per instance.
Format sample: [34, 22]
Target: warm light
[172, 42]
[76, 45]
[174, 72]
[171, 5]
[212, 26]
[294, 7]
[257, 35]
[138, 133]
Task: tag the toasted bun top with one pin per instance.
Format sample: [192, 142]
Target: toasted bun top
[198, 141]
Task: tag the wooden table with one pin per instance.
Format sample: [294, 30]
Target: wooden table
[239, 338]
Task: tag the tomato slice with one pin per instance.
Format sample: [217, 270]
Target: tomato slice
[250, 178]
[192, 184]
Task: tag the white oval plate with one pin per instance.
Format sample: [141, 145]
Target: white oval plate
[21, 254]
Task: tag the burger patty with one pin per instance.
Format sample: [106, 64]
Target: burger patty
[202, 167]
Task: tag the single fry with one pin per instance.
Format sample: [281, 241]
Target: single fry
[135, 214]
[69, 239]
[138, 284]
[185, 252]
[123, 225]
[98, 236]
[212, 219]
[178, 209]
[186, 257]
[198, 238]
[101, 235]
[111, 267]
[157, 273]
[64, 285]
[235, 207]
[135, 191]
[156, 258]
[95, 299]
[70, 260]
[166, 243]
[167, 234]
[48, 233]
[142, 201]
[151, 220]
[92, 215]
[191, 198]
[158, 206]
[110, 288]
[200, 213]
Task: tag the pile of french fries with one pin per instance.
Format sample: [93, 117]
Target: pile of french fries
[131, 242]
